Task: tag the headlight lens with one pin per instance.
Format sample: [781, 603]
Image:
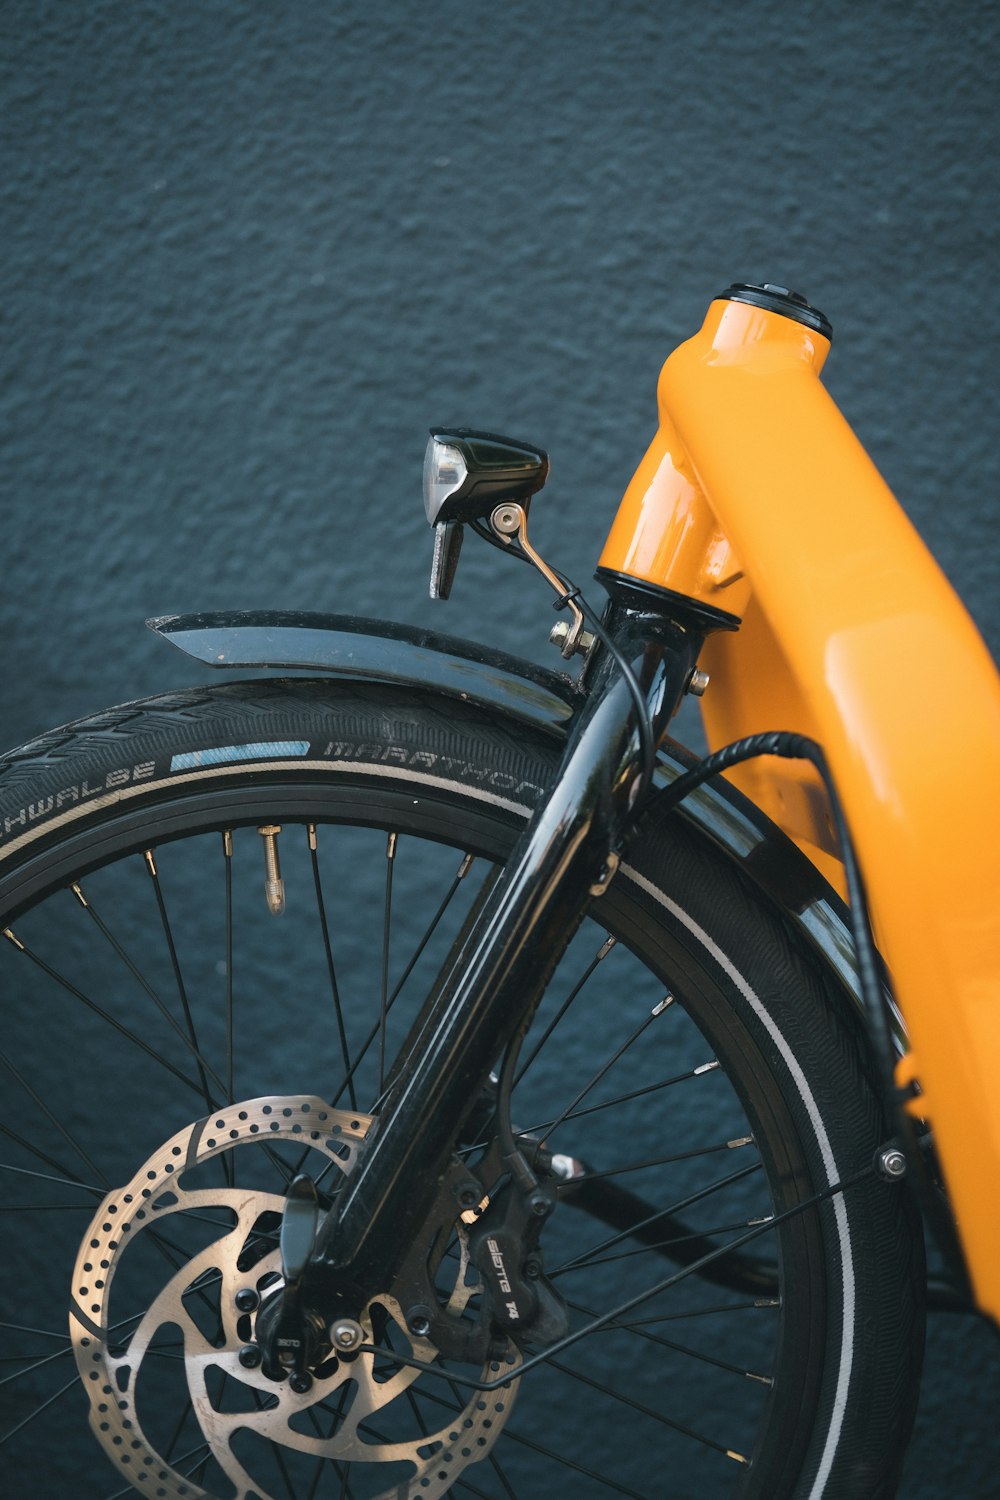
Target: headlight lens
[445, 471]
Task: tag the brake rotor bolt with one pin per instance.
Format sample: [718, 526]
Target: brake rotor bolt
[418, 1321]
[247, 1299]
[250, 1356]
[300, 1383]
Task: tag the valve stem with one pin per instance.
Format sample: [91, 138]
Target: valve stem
[274, 886]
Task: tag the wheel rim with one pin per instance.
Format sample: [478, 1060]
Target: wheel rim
[589, 1273]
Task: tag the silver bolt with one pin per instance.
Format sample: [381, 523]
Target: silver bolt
[891, 1162]
[346, 1335]
[698, 682]
[559, 634]
[567, 1167]
[507, 519]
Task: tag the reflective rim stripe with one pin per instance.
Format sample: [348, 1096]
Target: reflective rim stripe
[829, 1166]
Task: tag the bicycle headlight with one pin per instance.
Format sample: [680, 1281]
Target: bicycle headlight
[445, 472]
[467, 473]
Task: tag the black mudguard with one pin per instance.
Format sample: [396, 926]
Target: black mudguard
[381, 651]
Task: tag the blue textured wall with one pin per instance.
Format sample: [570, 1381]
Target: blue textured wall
[250, 253]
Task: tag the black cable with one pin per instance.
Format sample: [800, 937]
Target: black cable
[572, 595]
[800, 747]
[644, 726]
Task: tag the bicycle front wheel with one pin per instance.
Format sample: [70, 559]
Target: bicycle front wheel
[176, 1048]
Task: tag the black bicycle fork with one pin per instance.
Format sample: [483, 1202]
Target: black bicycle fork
[490, 986]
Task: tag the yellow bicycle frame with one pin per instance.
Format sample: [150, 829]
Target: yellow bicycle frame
[756, 498]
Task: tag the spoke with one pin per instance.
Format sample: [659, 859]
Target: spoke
[44, 1208]
[227, 854]
[468, 861]
[166, 1352]
[756, 1305]
[494, 1461]
[559, 1458]
[656, 1161]
[606, 1067]
[615, 1314]
[650, 1088]
[182, 993]
[321, 1463]
[314, 1422]
[685, 1349]
[488, 880]
[663, 1246]
[69, 1386]
[279, 1456]
[198, 1472]
[345, 1469]
[40, 1104]
[228, 1160]
[330, 967]
[64, 1180]
[175, 1257]
[104, 1015]
[200, 1454]
[470, 1488]
[602, 953]
[37, 1365]
[498, 1471]
[612, 1392]
[204, 1068]
[42, 1333]
[203, 1452]
[615, 1394]
[186, 1411]
[390, 863]
[664, 1213]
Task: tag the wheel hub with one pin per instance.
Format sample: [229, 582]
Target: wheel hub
[170, 1279]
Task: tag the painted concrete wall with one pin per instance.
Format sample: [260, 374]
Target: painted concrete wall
[251, 252]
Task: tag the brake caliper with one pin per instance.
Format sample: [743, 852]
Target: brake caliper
[504, 1247]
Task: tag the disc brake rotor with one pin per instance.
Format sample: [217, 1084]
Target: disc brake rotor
[166, 1285]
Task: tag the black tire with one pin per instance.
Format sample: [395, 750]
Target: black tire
[788, 1370]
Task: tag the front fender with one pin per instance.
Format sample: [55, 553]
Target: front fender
[381, 651]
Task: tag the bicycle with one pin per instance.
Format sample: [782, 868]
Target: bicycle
[569, 1137]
